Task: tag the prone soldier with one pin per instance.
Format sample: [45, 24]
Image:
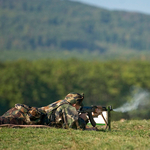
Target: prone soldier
[61, 114]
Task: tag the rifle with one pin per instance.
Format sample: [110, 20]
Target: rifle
[94, 111]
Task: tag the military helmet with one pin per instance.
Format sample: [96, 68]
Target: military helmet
[75, 98]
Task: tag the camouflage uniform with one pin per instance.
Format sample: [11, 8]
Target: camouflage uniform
[63, 114]
[58, 114]
[22, 114]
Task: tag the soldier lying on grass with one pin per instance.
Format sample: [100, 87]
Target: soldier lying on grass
[60, 114]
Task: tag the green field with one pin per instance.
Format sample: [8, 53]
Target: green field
[126, 135]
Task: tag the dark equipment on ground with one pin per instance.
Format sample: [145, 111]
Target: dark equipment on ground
[94, 111]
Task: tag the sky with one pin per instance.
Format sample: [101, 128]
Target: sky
[141, 6]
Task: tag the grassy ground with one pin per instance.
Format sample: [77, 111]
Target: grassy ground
[83, 55]
[125, 135]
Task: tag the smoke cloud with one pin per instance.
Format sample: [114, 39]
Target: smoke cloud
[139, 97]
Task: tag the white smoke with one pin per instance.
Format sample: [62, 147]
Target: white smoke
[140, 97]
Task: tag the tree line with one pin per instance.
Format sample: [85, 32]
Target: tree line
[39, 83]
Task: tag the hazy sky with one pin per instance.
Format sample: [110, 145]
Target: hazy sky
[127, 5]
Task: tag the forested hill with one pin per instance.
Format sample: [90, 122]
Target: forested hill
[67, 25]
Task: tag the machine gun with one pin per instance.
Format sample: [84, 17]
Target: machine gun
[95, 111]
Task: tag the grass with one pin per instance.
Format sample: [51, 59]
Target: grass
[83, 55]
[126, 135]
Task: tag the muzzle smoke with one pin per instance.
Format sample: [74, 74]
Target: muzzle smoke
[140, 97]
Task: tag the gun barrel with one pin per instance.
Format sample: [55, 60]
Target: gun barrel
[104, 108]
[110, 108]
[92, 109]
[87, 109]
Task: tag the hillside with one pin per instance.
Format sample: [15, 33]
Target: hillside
[56, 25]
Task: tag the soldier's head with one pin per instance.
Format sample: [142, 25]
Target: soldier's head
[75, 98]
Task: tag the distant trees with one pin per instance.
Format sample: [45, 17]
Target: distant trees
[69, 25]
[42, 82]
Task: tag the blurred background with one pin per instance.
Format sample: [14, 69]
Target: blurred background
[49, 48]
